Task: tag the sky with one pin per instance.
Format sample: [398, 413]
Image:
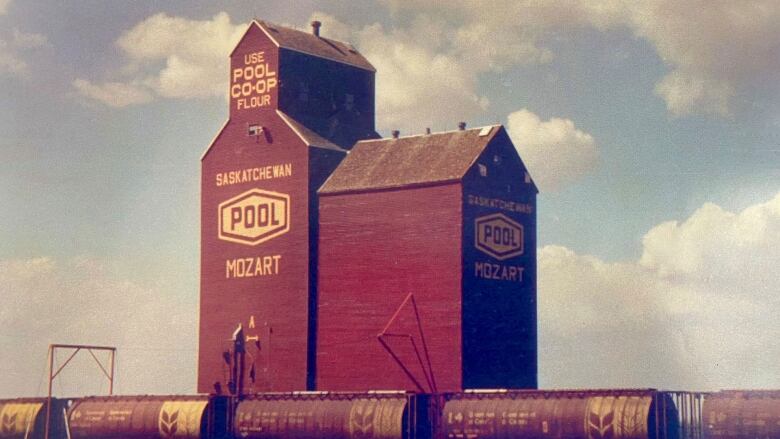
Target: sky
[651, 128]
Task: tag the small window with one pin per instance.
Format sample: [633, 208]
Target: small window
[255, 130]
[497, 159]
[482, 169]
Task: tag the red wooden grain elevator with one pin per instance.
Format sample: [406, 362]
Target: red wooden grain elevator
[297, 103]
[451, 218]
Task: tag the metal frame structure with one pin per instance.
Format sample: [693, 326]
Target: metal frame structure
[76, 348]
[427, 371]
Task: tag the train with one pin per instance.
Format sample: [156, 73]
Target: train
[477, 414]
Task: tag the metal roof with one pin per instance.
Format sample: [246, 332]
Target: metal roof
[305, 42]
[308, 136]
[411, 160]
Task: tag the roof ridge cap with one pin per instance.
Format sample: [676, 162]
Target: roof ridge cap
[268, 27]
[272, 24]
[382, 139]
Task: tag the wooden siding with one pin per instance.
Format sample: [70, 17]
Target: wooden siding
[277, 300]
[499, 288]
[273, 303]
[259, 54]
[375, 248]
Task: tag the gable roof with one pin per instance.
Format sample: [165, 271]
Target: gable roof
[305, 42]
[309, 137]
[411, 160]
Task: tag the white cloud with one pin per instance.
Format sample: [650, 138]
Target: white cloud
[432, 56]
[716, 50]
[114, 94]
[555, 151]
[417, 87]
[698, 310]
[45, 301]
[689, 93]
[505, 32]
[712, 235]
[195, 53]
[171, 57]
[430, 61]
[12, 47]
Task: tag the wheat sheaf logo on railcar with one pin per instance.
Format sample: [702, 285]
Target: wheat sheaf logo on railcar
[361, 420]
[168, 423]
[632, 424]
[9, 423]
[601, 426]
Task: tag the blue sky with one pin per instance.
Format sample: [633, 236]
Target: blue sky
[653, 131]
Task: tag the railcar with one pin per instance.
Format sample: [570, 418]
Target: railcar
[377, 415]
[140, 417]
[592, 414]
[734, 414]
[25, 418]
[473, 414]
[337, 415]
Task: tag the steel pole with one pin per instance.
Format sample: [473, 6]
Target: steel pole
[111, 368]
[48, 396]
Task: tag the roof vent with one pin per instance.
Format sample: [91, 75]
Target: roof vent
[427, 131]
[396, 133]
[461, 126]
[315, 27]
[485, 131]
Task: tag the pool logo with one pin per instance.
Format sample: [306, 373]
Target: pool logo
[499, 236]
[254, 217]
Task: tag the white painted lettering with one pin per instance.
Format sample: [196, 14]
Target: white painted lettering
[252, 267]
[487, 270]
[249, 175]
